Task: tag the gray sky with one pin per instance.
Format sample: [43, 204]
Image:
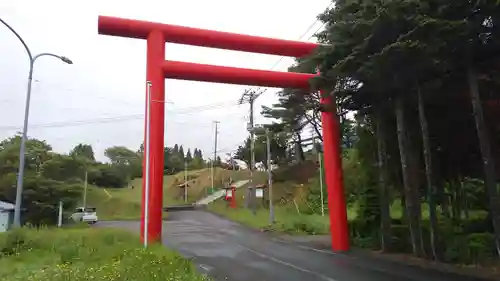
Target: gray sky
[99, 99]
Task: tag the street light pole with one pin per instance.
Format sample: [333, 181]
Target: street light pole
[20, 174]
[147, 164]
[269, 178]
[185, 181]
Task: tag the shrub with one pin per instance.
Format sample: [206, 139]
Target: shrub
[304, 224]
[471, 248]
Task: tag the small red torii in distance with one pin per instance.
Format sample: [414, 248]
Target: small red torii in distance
[158, 69]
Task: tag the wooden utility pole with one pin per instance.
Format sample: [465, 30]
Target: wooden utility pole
[320, 162]
[269, 177]
[85, 190]
[215, 153]
[185, 181]
[249, 96]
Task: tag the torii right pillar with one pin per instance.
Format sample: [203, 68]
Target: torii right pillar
[337, 207]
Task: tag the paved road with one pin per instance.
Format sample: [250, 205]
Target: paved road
[228, 251]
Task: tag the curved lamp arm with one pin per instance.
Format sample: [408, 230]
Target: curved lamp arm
[64, 59]
[18, 37]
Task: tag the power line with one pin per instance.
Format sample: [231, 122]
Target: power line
[300, 38]
[194, 110]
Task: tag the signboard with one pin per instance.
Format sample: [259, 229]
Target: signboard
[259, 193]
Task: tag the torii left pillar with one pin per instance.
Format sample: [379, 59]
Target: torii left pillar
[154, 74]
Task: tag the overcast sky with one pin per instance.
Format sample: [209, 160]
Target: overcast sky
[99, 99]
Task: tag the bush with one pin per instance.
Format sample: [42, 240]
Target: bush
[297, 172]
[304, 224]
[470, 249]
[87, 254]
[362, 236]
[457, 244]
[109, 176]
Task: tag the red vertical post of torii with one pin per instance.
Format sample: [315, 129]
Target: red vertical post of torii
[154, 74]
[158, 69]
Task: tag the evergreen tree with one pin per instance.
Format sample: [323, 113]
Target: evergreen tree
[189, 157]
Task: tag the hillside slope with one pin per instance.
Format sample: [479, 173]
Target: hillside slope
[125, 203]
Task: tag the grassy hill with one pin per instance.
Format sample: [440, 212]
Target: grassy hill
[125, 203]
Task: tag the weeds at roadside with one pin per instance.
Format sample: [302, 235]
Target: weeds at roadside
[87, 254]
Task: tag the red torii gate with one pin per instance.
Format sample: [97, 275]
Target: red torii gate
[157, 34]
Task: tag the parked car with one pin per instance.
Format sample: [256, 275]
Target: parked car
[85, 214]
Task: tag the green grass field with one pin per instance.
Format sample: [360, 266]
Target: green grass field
[87, 254]
[125, 203]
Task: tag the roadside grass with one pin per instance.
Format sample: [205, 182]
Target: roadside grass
[87, 254]
[113, 207]
[289, 217]
[287, 220]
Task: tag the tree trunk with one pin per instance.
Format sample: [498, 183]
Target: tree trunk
[415, 175]
[316, 126]
[413, 214]
[488, 164]
[431, 192]
[465, 204]
[299, 152]
[385, 215]
[404, 214]
[455, 200]
[443, 198]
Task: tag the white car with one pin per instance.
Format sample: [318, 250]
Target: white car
[88, 215]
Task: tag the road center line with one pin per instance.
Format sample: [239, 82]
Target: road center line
[326, 278]
[409, 276]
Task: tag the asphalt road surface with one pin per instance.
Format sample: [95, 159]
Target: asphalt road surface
[226, 250]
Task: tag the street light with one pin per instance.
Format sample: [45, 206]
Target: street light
[20, 174]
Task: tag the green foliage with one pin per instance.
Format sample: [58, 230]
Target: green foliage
[278, 147]
[113, 176]
[175, 159]
[314, 196]
[387, 51]
[304, 225]
[124, 162]
[63, 167]
[49, 178]
[84, 151]
[297, 172]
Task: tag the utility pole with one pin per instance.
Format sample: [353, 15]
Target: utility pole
[250, 96]
[60, 214]
[215, 153]
[185, 181]
[320, 162]
[251, 190]
[269, 178]
[85, 190]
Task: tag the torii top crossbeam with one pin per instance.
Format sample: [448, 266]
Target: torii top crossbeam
[205, 38]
